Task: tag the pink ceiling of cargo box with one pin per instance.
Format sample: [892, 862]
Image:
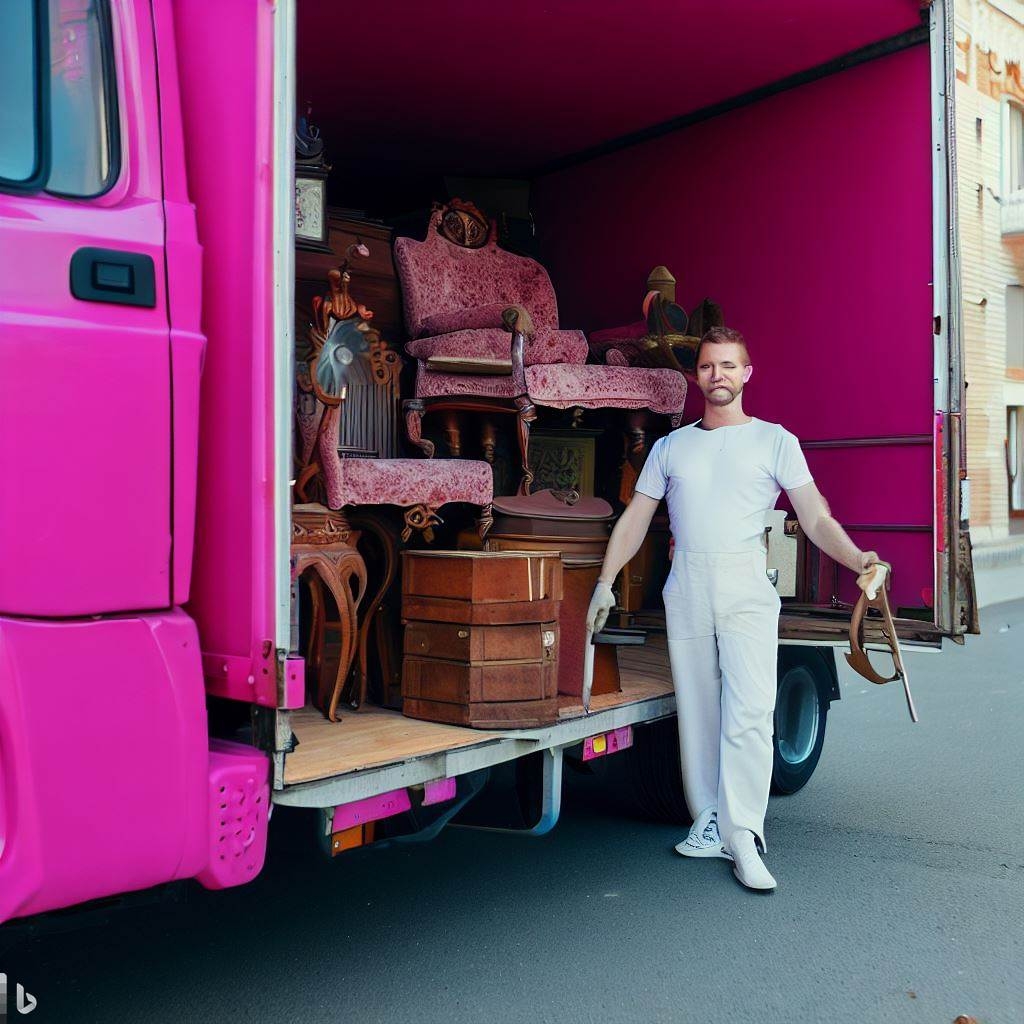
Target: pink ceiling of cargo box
[491, 86]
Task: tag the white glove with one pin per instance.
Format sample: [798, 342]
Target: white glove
[601, 604]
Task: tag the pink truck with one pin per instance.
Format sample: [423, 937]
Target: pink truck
[792, 159]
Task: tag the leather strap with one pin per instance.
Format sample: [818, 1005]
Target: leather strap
[858, 658]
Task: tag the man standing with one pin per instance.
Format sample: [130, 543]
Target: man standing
[720, 476]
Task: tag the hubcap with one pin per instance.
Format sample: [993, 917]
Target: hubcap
[797, 716]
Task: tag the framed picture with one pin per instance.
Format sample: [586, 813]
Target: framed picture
[311, 208]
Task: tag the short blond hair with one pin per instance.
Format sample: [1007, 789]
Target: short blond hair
[722, 336]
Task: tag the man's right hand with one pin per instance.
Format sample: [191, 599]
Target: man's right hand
[601, 605]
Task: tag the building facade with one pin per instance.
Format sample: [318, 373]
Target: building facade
[989, 50]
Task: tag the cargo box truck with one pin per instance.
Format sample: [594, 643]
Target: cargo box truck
[794, 160]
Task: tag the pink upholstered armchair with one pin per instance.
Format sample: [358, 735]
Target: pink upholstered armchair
[484, 331]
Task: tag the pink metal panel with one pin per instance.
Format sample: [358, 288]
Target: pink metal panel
[226, 111]
[239, 802]
[585, 73]
[614, 741]
[373, 808]
[439, 791]
[184, 299]
[295, 682]
[808, 217]
[85, 386]
[103, 758]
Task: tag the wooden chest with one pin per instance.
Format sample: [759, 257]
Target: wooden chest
[483, 676]
[481, 587]
[577, 530]
[481, 639]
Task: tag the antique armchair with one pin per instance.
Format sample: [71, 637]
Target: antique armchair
[334, 494]
[484, 331]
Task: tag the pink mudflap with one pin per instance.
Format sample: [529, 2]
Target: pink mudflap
[239, 811]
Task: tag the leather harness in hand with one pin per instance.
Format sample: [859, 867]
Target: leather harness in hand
[874, 596]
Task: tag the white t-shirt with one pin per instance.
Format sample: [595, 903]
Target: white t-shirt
[720, 484]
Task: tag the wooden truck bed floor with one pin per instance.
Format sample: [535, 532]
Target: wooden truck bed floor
[375, 737]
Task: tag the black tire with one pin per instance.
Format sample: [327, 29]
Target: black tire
[801, 712]
[653, 775]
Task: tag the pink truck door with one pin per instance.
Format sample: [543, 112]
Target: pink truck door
[85, 375]
[237, 119]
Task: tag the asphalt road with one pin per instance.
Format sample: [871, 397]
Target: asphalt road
[901, 898]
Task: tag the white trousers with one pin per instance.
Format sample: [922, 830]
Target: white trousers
[722, 616]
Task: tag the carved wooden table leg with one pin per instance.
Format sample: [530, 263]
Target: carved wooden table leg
[526, 414]
[386, 536]
[638, 447]
[414, 408]
[489, 440]
[485, 520]
[322, 544]
[452, 434]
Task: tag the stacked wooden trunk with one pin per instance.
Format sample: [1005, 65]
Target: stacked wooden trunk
[481, 637]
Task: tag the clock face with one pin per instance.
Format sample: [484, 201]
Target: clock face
[309, 209]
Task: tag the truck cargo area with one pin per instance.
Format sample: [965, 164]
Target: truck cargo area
[377, 750]
[730, 167]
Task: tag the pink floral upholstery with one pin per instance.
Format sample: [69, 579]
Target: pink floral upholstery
[453, 301]
[545, 346]
[407, 482]
[402, 482]
[444, 385]
[602, 387]
[440, 279]
[471, 319]
[564, 387]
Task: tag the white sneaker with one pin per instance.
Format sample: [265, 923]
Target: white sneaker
[703, 840]
[748, 866]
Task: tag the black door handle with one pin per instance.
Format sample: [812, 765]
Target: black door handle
[110, 275]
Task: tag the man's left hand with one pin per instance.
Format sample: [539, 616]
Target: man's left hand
[868, 560]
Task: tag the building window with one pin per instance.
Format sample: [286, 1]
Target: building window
[1015, 458]
[1013, 149]
[1014, 327]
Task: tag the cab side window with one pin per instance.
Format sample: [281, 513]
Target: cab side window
[20, 150]
[82, 98]
[58, 124]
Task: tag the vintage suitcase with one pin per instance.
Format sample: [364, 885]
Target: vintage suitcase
[481, 587]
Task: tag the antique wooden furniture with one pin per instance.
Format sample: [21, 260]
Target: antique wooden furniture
[481, 638]
[564, 459]
[324, 549]
[468, 304]
[577, 529]
[343, 348]
[377, 283]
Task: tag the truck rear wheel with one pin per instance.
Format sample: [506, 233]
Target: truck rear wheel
[805, 688]
[801, 711]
